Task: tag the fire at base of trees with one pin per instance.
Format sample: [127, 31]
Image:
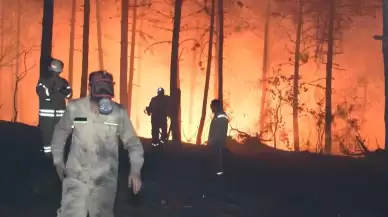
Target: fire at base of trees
[346, 124]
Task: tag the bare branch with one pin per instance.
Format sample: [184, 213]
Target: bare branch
[160, 13]
[162, 28]
[156, 43]
[18, 79]
[193, 13]
[189, 39]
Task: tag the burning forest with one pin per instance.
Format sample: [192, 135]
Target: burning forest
[293, 75]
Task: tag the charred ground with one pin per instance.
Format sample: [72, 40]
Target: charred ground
[271, 183]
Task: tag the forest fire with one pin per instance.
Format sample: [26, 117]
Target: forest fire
[357, 72]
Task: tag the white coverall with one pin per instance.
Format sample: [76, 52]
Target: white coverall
[92, 165]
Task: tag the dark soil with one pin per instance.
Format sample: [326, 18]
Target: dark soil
[270, 184]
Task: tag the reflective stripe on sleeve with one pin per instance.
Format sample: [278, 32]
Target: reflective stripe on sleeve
[45, 89]
[46, 115]
[47, 111]
[222, 116]
[68, 95]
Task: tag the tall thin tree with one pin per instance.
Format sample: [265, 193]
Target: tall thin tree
[124, 54]
[174, 74]
[216, 48]
[138, 77]
[132, 54]
[16, 97]
[47, 36]
[193, 81]
[2, 39]
[329, 77]
[2, 30]
[220, 52]
[265, 68]
[208, 70]
[85, 49]
[99, 35]
[385, 59]
[72, 39]
[295, 89]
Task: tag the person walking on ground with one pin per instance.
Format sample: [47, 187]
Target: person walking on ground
[89, 178]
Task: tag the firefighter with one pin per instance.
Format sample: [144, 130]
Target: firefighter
[212, 167]
[89, 179]
[159, 109]
[218, 135]
[53, 91]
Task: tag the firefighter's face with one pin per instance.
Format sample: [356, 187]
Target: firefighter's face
[212, 107]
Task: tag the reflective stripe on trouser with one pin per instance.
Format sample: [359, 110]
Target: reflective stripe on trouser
[51, 112]
[47, 149]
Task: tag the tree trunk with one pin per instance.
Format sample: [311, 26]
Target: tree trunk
[208, 70]
[124, 54]
[295, 89]
[99, 36]
[193, 81]
[85, 49]
[220, 53]
[71, 44]
[138, 77]
[216, 47]
[2, 39]
[47, 36]
[385, 57]
[174, 76]
[265, 69]
[16, 98]
[132, 55]
[329, 76]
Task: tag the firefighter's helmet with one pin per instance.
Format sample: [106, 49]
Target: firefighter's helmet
[56, 66]
[160, 91]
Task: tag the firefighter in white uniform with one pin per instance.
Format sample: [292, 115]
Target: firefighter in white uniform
[90, 174]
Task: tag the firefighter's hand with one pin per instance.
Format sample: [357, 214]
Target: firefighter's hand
[61, 170]
[135, 183]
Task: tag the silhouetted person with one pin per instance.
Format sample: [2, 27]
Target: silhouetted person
[218, 135]
[212, 166]
[53, 91]
[159, 109]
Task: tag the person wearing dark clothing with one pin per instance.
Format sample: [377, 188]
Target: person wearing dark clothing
[218, 134]
[212, 167]
[53, 92]
[159, 109]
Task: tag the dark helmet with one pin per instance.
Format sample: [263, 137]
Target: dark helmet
[101, 83]
[160, 91]
[56, 66]
[99, 75]
[216, 103]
